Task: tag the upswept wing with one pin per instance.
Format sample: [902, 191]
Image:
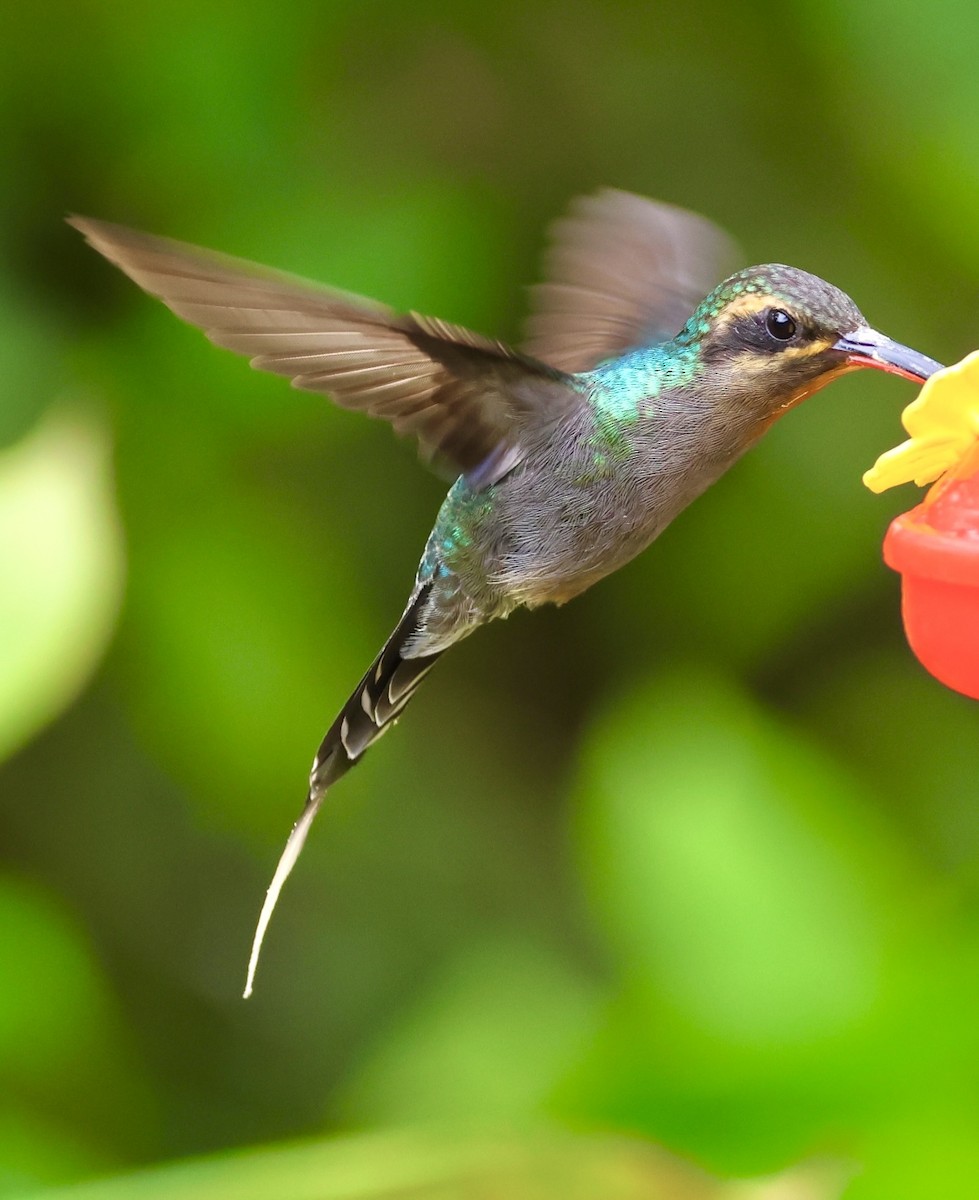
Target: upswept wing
[621, 271]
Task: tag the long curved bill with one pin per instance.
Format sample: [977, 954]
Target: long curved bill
[865, 347]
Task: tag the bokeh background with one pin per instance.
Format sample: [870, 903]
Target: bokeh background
[690, 864]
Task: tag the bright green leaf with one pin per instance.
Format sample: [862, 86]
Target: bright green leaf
[61, 570]
[714, 863]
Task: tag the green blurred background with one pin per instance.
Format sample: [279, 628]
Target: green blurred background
[691, 863]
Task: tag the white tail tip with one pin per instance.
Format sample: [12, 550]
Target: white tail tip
[293, 848]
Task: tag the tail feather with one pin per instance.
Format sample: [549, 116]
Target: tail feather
[377, 700]
[373, 707]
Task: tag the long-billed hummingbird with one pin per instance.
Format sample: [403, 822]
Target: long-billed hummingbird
[631, 394]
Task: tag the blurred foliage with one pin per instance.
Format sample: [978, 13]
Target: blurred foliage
[691, 863]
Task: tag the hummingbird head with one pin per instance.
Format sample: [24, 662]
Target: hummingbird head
[770, 336]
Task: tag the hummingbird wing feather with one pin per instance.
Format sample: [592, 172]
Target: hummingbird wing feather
[464, 397]
[622, 271]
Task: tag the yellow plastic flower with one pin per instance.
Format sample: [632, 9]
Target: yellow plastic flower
[944, 424]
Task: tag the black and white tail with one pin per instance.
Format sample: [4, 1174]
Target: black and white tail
[373, 707]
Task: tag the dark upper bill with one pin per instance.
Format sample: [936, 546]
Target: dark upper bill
[866, 347]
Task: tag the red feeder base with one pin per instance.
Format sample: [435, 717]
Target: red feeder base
[935, 547]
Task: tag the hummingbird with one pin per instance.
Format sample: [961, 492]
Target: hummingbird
[638, 384]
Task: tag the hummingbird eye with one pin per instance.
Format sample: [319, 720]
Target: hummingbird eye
[780, 325]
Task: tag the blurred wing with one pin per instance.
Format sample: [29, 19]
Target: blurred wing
[622, 271]
[462, 396]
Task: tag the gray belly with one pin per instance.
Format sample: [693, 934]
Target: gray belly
[579, 506]
[558, 540]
